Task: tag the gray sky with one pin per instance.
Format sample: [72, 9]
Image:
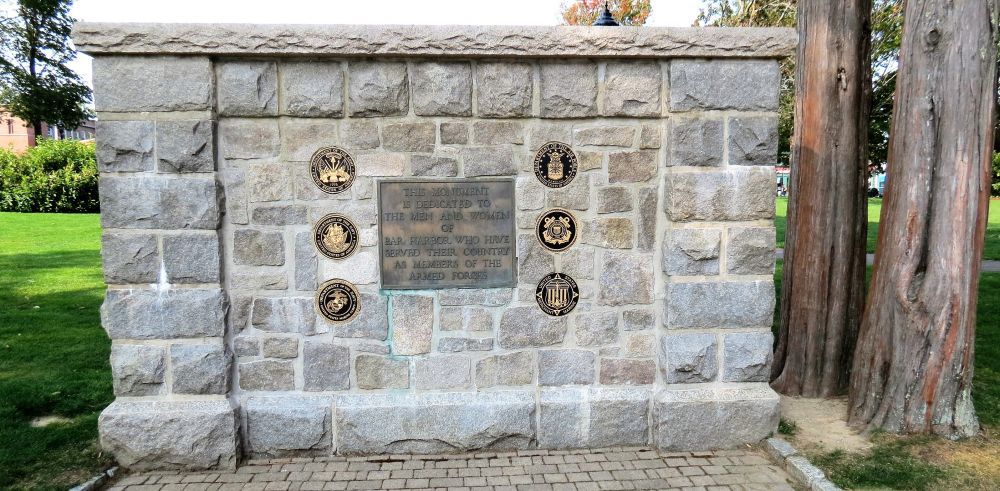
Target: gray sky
[453, 12]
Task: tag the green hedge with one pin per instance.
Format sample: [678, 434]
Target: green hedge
[55, 176]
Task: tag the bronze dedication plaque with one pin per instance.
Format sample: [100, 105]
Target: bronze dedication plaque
[447, 234]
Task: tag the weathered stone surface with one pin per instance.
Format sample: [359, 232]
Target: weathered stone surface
[753, 140]
[688, 358]
[301, 137]
[443, 372]
[745, 85]
[235, 192]
[250, 279]
[566, 367]
[450, 318]
[633, 166]
[562, 418]
[412, 324]
[199, 368]
[269, 375]
[614, 199]
[454, 133]
[246, 346]
[516, 368]
[627, 371]
[442, 89]
[247, 88]
[382, 372]
[691, 251]
[169, 314]
[546, 131]
[249, 139]
[129, 258]
[378, 89]
[187, 435]
[533, 261]
[568, 90]
[648, 214]
[312, 89]
[717, 418]
[747, 356]
[609, 232]
[284, 314]
[632, 89]
[455, 345]
[239, 311]
[160, 83]
[638, 319]
[305, 262]
[185, 146]
[268, 182]
[529, 193]
[434, 422]
[280, 347]
[750, 250]
[595, 329]
[280, 215]
[578, 262]
[256, 248]
[605, 136]
[191, 258]
[180, 203]
[522, 327]
[497, 133]
[325, 366]
[618, 417]
[381, 164]
[504, 89]
[371, 323]
[137, 370]
[738, 194]
[490, 297]
[280, 426]
[575, 196]
[650, 136]
[435, 166]
[626, 279]
[489, 161]
[640, 344]
[125, 146]
[714, 304]
[695, 141]
[408, 137]
[359, 134]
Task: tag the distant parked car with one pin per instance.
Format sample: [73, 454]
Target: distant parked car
[874, 193]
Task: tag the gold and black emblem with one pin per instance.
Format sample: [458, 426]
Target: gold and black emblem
[556, 229]
[555, 164]
[557, 294]
[335, 236]
[332, 169]
[338, 300]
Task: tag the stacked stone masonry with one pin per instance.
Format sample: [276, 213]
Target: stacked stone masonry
[207, 208]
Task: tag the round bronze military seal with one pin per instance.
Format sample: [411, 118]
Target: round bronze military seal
[557, 294]
[556, 229]
[332, 169]
[338, 301]
[555, 164]
[335, 236]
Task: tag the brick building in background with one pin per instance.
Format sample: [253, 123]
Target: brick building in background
[17, 135]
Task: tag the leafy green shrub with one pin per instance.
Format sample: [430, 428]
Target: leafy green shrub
[995, 189]
[54, 176]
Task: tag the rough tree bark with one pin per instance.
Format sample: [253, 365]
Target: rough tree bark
[913, 365]
[823, 277]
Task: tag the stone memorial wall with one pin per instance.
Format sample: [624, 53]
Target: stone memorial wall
[412, 239]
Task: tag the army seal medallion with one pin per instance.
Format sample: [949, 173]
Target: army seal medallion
[335, 236]
[557, 294]
[338, 301]
[332, 169]
[556, 229]
[555, 164]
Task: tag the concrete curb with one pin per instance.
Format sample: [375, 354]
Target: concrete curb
[97, 481]
[810, 476]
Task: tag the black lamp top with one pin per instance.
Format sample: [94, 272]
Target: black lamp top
[606, 19]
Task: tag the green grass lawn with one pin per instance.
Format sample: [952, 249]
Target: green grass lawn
[990, 251]
[53, 352]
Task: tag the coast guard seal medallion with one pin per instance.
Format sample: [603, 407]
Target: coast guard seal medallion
[335, 236]
[338, 301]
[557, 294]
[332, 169]
[556, 229]
[555, 164]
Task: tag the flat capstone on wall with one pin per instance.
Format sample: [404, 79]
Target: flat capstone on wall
[205, 137]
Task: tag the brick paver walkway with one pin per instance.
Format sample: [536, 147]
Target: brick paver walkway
[620, 468]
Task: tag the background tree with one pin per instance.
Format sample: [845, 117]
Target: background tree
[913, 364]
[626, 12]
[38, 86]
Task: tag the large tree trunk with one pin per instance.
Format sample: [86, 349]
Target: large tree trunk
[823, 278]
[913, 364]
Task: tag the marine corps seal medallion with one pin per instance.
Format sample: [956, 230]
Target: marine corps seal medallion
[338, 301]
[332, 169]
[335, 236]
[555, 164]
[556, 229]
[557, 294]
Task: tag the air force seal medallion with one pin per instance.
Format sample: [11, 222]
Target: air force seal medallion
[332, 169]
[335, 236]
[338, 301]
[555, 164]
[556, 229]
[557, 294]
